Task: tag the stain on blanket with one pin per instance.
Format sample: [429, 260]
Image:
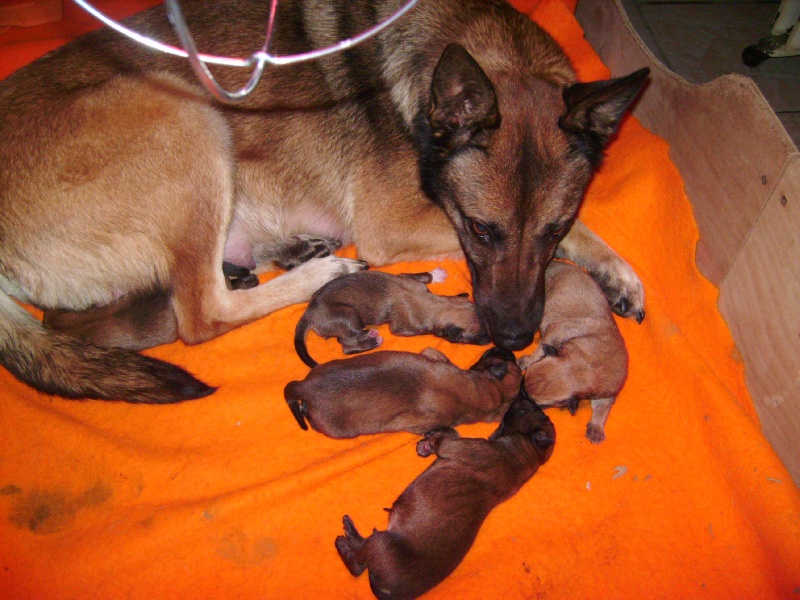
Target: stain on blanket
[240, 549]
[49, 511]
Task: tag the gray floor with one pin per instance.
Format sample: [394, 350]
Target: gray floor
[703, 40]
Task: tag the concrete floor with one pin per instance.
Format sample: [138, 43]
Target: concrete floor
[703, 40]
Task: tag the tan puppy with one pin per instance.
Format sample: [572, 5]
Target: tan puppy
[434, 522]
[342, 307]
[402, 391]
[581, 354]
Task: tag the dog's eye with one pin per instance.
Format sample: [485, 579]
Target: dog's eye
[557, 231]
[480, 230]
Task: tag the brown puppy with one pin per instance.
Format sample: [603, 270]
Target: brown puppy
[402, 391]
[342, 307]
[434, 522]
[581, 354]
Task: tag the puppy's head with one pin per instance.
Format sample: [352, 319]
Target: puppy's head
[524, 417]
[508, 156]
[464, 326]
[502, 366]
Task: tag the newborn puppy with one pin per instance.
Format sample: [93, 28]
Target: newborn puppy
[581, 354]
[344, 306]
[434, 522]
[402, 391]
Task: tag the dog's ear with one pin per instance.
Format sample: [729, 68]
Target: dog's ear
[594, 111]
[542, 440]
[498, 370]
[463, 101]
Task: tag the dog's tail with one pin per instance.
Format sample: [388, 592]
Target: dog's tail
[300, 341]
[57, 364]
[297, 406]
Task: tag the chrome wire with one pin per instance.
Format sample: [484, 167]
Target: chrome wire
[256, 61]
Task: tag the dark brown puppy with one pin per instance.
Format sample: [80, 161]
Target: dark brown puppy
[434, 522]
[344, 306]
[581, 354]
[402, 391]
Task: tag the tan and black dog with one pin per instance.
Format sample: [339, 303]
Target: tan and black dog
[581, 353]
[402, 391]
[458, 131]
[343, 308]
[434, 522]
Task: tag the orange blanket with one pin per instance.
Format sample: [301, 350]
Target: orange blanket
[227, 497]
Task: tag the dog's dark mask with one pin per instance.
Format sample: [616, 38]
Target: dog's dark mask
[509, 162]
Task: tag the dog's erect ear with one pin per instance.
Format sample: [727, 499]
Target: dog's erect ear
[542, 440]
[594, 110]
[498, 370]
[463, 102]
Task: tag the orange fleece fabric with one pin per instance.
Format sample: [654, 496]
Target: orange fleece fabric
[226, 497]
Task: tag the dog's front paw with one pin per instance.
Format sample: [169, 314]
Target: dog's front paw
[623, 288]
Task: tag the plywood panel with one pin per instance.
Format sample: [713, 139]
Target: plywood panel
[738, 165]
[760, 300]
[724, 138]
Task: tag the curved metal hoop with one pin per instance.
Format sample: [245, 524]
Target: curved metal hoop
[256, 61]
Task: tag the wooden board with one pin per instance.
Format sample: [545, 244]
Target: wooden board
[760, 300]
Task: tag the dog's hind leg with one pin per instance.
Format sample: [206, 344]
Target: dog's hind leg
[619, 282]
[134, 322]
[348, 546]
[595, 429]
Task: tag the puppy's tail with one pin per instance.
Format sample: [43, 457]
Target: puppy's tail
[57, 364]
[300, 341]
[297, 406]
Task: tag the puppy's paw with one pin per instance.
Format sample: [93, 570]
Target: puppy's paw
[347, 546]
[425, 447]
[366, 340]
[623, 288]
[302, 248]
[595, 433]
[525, 361]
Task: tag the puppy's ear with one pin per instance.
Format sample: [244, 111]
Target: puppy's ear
[572, 405]
[542, 440]
[498, 370]
[434, 355]
[463, 101]
[594, 111]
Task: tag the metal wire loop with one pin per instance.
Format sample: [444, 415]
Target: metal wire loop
[256, 61]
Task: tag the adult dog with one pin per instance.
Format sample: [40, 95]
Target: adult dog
[459, 130]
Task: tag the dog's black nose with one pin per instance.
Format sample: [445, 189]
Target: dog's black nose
[513, 340]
